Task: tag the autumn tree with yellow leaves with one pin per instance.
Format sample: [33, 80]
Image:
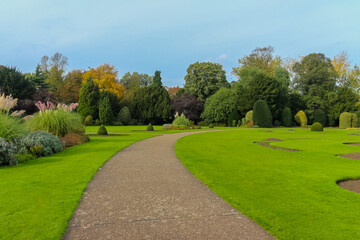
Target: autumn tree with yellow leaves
[105, 77]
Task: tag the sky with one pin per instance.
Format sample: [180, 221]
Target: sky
[169, 35]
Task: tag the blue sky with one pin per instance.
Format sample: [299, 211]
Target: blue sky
[168, 35]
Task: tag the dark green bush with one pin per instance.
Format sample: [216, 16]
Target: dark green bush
[318, 127]
[345, 120]
[262, 115]
[105, 111]
[124, 116]
[40, 144]
[286, 117]
[102, 130]
[320, 116]
[277, 123]
[97, 122]
[211, 125]
[150, 127]
[234, 116]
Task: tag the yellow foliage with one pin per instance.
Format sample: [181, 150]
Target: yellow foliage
[105, 77]
[301, 118]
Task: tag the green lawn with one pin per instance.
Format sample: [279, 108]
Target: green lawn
[38, 198]
[293, 195]
[142, 129]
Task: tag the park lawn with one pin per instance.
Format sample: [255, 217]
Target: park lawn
[142, 129]
[39, 197]
[293, 195]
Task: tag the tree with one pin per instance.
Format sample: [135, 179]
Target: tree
[88, 100]
[259, 58]
[157, 79]
[38, 78]
[204, 79]
[133, 81]
[286, 117]
[70, 90]
[283, 77]
[114, 101]
[152, 104]
[13, 82]
[53, 68]
[256, 84]
[105, 77]
[105, 111]
[319, 116]
[189, 105]
[219, 106]
[262, 115]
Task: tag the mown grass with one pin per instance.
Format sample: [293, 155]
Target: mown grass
[293, 195]
[142, 129]
[38, 198]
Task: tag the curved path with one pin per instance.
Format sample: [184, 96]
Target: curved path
[144, 192]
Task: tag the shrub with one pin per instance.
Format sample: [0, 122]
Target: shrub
[239, 123]
[102, 130]
[286, 117]
[277, 123]
[234, 116]
[345, 120]
[88, 121]
[211, 125]
[59, 122]
[233, 123]
[202, 123]
[301, 118]
[105, 111]
[262, 115]
[11, 127]
[181, 120]
[249, 116]
[167, 126]
[320, 116]
[243, 121]
[40, 144]
[73, 139]
[24, 157]
[97, 122]
[7, 151]
[317, 127]
[354, 120]
[124, 116]
[150, 127]
[249, 124]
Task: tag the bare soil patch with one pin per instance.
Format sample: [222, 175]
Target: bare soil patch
[264, 144]
[351, 185]
[353, 144]
[273, 140]
[355, 155]
[109, 135]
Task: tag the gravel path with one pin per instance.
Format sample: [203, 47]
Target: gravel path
[144, 192]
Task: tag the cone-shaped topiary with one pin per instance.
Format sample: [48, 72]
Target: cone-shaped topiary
[345, 120]
[262, 115]
[249, 116]
[320, 116]
[301, 118]
[316, 127]
[124, 116]
[150, 127]
[286, 117]
[102, 130]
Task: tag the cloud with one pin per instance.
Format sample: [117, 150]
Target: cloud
[222, 57]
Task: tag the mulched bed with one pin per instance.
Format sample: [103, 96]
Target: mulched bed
[109, 135]
[273, 139]
[264, 144]
[355, 155]
[351, 185]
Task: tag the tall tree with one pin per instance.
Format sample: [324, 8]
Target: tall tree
[189, 105]
[53, 68]
[70, 89]
[105, 77]
[204, 79]
[157, 79]
[13, 82]
[135, 80]
[88, 100]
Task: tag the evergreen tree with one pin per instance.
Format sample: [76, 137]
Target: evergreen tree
[262, 114]
[13, 82]
[105, 111]
[88, 100]
[157, 79]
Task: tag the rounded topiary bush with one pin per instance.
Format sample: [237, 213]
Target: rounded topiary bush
[102, 130]
[125, 116]
[286, 117]
[301, 118]
[320, 116]
[262, 115]
[317, 127]
[181, 120]
[211, 125]
[345, 120]
[150, 127]
[249, 116]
